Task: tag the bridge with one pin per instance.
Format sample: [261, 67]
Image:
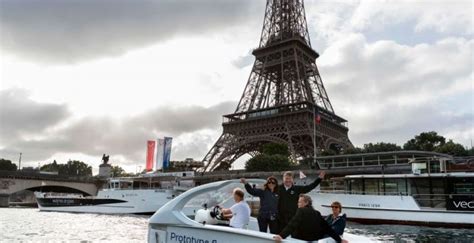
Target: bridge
[12, 182]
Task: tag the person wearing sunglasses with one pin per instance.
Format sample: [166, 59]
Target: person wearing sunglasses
[267, 215]
[307, 224]
[337, 220]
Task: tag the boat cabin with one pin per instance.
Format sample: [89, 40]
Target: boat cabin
[429, 184]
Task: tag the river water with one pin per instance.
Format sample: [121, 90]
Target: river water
[30, 225]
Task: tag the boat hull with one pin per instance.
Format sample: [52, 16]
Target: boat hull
[384, 209]
[214, 234]
[109, 202]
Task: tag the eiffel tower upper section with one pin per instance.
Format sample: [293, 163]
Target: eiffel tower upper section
[284, 37]
[283, 96]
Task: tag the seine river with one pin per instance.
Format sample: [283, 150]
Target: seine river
[30, 225]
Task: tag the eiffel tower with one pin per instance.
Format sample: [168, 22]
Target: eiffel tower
[285, 100]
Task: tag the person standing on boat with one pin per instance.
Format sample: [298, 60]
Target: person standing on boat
[337, 220]
[239, 213]
[267, 215]
[307, 224]
[288, 197]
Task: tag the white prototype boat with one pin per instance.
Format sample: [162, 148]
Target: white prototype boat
[121, 196]
[172, 224]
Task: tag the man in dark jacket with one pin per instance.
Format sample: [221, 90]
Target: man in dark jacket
[308, 224]
[289, 193]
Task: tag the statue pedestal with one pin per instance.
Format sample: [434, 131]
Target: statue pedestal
[4, 199]
[105, 170]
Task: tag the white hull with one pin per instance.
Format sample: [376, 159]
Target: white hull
[133, 202]
[213, 233]
[390, 209]
[170, 223]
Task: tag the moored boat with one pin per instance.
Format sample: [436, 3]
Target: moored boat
[141, 195]
[429, 196]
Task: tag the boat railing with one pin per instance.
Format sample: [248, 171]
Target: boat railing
[156, 189]
[364, 161]
[364, 193]
[381, 158]
[392, 193]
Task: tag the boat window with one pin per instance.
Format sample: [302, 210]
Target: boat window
[438, 198]
[355, 186]
[395, 186]
[435, 166]
[222, 196]
[463, 186]
[371, 186]
[420, 189]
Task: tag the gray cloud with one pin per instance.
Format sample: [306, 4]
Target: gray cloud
[74, 31]
[97, 135]
[19, 115]
[390, 92]
[244, 61]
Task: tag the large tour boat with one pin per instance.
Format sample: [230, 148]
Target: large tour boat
[141, 195]
[430, 195]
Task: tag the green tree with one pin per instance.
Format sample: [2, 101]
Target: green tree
[276, 148]
[452, 148]
[7, 165]
[354, 150]
[470, 152]
[118, 171]
[380, 147]
[71, 168]
[265, 162]
[51, 167]
[76, 167]
[274, 157]
[425, 141]
[327, 152]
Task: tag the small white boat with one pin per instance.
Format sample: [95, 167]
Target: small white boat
[171, 223]
[121, 196]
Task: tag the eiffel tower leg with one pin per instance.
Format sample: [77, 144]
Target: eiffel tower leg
[214, 156]
[291, 147]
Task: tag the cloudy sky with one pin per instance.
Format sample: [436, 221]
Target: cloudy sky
[83, 78]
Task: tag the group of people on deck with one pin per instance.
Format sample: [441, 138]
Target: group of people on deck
[286, 210]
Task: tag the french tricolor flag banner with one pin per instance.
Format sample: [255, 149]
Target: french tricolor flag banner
[160, 150]
[150, 154]
[167, 152]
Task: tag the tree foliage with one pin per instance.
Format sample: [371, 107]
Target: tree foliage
[266, 162]
[7, 165]
[452, 148]
[276, 148]
[380, 147]
[71, 168]
[274, 157]
[425, 141]
[118, 171]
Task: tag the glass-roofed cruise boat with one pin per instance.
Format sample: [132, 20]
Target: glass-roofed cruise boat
[435, 193]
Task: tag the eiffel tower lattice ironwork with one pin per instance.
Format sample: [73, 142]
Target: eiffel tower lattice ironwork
[283, 96]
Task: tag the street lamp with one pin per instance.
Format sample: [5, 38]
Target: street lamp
[19, 162]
